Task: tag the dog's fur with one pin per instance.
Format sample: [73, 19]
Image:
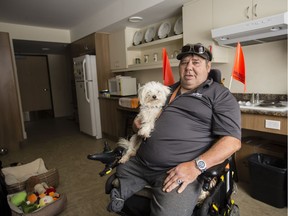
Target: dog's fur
[152, 97]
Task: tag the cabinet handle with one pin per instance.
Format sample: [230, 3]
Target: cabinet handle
[247, 11]
[255, 10]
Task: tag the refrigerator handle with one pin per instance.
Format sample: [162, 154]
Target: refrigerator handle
[85, 81]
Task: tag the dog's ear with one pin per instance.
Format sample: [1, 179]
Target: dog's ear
[140, 91]
[167, 90]
[140, 94]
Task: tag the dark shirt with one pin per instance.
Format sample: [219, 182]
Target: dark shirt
[190, 124]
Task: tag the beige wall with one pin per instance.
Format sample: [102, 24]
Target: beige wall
[23, 32]
[266, 69]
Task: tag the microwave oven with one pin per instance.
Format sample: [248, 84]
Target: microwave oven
[122, 86]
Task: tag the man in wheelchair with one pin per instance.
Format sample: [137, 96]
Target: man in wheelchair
[197, 129]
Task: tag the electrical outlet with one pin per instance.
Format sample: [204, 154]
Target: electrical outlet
[272, 124]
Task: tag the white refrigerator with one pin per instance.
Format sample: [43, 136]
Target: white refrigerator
[85, 74]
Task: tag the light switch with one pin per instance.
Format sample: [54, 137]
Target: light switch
[272, 124]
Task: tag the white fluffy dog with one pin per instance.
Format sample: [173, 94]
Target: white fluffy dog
[152, 97]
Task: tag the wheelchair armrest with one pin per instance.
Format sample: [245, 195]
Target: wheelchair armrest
[215, 171]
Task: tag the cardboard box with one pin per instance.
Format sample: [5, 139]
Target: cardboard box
[251, 145]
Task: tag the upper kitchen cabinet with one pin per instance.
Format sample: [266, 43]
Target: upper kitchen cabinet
[96, 43]
[197, 25]
[84, 46]
[118, 43]
[134, 49]
[228, 12]
[102, 59]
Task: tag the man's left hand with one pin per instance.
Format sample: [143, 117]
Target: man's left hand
[181, 175]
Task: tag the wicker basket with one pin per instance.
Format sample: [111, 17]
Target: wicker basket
[51, 178]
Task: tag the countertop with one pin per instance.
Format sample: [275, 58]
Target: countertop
[264, 112]
[281, 112]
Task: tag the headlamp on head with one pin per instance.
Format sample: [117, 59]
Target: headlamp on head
[195, 49]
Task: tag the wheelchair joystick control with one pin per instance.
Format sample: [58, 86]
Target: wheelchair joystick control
[106, 147]
[108, 157]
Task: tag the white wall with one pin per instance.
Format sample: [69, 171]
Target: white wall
[266, 69]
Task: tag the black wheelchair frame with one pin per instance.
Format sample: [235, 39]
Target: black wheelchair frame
[218, 203]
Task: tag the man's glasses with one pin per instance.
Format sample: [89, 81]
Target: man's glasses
[195, 48]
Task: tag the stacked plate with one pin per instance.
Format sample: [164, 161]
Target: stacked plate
[150, 34]
[138, 37]
[178, 27]
[163, 32]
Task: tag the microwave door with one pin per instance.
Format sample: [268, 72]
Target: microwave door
[113, 85]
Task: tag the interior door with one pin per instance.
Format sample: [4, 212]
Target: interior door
[34, 83]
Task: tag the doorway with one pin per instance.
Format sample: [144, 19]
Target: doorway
[35, 87]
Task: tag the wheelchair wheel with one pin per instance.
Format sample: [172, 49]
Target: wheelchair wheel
[234, 210]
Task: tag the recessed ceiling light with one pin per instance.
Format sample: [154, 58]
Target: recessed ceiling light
[275, 28]
[135, 19]
[224, 38]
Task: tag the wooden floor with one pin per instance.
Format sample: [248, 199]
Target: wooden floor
[61, 145]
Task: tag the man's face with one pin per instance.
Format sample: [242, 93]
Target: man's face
[193, 71]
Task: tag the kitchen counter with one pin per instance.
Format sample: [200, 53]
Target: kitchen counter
[270, 111]
[261, 110]
[257, 110]
[114, 117]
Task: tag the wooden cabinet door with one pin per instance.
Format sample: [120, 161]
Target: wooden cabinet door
[258, 123]
[264, 8]
[108, 111]
[117, 49]
[102, 60]
[113, 120]
[11, 128]
[83, 46]
[228, 12]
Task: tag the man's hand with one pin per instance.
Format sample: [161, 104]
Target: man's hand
[181, 175]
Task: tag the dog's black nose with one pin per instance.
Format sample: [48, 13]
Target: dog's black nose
[154, 97]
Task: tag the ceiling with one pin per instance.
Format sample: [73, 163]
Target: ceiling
[66, 14]
[63, 14]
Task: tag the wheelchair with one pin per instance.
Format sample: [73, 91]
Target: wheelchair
[218, 203]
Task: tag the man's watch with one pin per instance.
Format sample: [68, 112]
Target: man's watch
[200, 164]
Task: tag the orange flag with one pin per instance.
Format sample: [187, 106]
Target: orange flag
[168, 78]
[239, 66]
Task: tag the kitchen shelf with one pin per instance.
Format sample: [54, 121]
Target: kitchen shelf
[152, 65]
[157, 42]
[148, 66]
